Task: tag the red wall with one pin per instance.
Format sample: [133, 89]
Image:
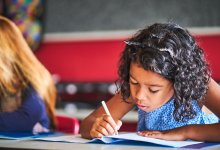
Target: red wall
[96, 60]
[211, 46]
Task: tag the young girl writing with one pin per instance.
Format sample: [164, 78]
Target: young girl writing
[27, 91]
[164, 73]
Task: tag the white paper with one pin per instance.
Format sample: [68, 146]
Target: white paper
[65, 138]
[135, 137]
[119, 137]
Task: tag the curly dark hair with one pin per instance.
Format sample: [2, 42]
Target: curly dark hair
[171, 51]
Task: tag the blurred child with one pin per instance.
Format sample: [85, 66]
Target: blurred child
[27, 91]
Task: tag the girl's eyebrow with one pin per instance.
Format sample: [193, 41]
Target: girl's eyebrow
[154, 85]
[132, 77]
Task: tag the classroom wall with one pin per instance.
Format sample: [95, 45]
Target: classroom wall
[85, 66]
[97, 60]
[95, 15]
[86, 70]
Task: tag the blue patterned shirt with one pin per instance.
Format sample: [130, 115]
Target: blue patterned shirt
[162, 118]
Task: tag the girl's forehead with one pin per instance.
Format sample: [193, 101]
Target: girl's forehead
[141, 75]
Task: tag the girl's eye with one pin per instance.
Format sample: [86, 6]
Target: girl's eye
[153, 91]
[134, 83]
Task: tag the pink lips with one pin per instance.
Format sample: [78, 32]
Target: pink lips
[143, 107]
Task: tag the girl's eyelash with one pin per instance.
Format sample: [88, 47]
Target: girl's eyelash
[153, 91]
[135, 83]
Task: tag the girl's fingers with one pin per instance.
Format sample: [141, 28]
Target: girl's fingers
[119, 124]
[102, 130]
[107, 126]
[111, 122]
[95, 134]
[104, 125]
[150, 133]
[174, 135]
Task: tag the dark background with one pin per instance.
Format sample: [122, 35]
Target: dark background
[93, 15]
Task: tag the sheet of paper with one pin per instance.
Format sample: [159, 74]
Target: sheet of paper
[135, 137]
[26, 135]
[117, 138]
[78, 139]
[65, 138]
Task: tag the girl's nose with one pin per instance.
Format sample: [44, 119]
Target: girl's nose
[141, 94]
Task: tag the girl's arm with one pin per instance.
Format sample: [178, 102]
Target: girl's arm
[98, 123]
[212, 99]
[208, 132]
[25, 117]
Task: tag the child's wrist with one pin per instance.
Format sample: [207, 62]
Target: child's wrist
[188, 132]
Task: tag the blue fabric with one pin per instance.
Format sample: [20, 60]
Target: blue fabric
[27, 115]
[162, 118]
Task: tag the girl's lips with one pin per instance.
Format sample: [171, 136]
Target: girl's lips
[143, 107]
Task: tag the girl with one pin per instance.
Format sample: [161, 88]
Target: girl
[164, 73]
[27, 91]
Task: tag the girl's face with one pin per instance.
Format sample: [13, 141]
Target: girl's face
[149, 90]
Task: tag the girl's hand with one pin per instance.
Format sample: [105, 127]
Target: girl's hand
[38, 128]
[177, 134]
[104, 125]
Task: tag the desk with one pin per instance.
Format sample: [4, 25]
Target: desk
[43, 145]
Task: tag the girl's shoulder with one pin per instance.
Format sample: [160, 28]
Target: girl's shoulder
[30, 91]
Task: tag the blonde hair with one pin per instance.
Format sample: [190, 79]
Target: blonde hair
[19, 68]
